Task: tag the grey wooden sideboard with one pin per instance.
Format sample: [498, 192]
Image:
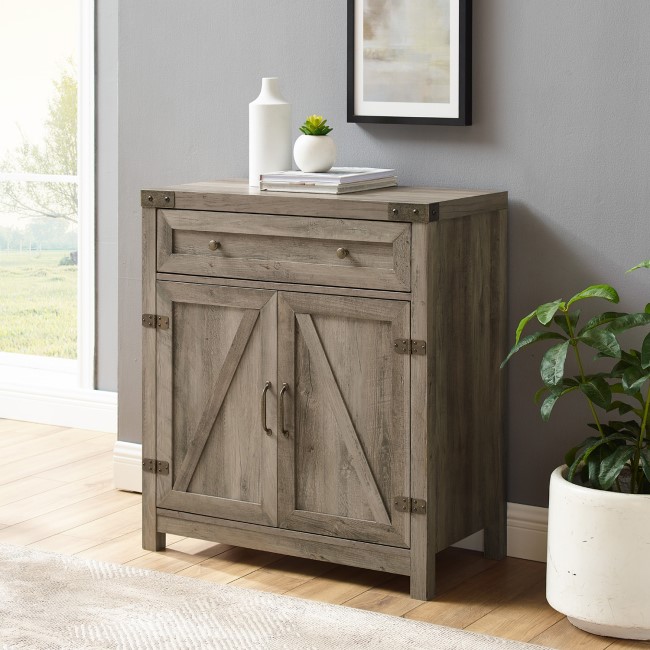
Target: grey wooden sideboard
[321, 373]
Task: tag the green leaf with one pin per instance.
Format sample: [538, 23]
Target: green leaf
[588, 447]
[561, 321]
[633, 379]
[629, 321]
[612, 465]
[642, 265]
[645, 352]
[548, 404]
[539, 393]
[581, 454]
[315, 125]
[645, 462]
[570, 456]
[622, 407]
[605, 317]
[593, 466]
[603, 341]
[552, 366]
[598, 391]
[522, 324]
[596, 291]
[607, 430]
[630, 428]
[546, 311]
[531, 338]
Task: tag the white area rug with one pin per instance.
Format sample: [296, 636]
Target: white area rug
[50, 601]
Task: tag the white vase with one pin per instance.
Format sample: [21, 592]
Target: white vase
[597, 570]
[314, 153]
[269, 132]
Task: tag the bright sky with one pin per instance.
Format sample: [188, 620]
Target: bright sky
[37, 37]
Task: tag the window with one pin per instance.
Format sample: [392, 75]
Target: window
[46, 193]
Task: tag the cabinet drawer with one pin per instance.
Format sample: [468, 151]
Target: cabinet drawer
[375, 255]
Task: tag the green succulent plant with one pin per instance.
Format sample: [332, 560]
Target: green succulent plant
[618, 457]
[315, 125]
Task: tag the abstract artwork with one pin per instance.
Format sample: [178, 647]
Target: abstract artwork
[409, 61]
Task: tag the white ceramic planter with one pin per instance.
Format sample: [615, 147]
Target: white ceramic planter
[314, 153]
[598, 572]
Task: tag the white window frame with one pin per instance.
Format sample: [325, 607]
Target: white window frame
[62, 391]
[86, 306]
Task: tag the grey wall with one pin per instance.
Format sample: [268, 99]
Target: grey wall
[560, 120]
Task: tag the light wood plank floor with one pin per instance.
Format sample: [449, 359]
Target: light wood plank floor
[56, 494]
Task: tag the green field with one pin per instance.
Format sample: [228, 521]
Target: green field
[38, 304]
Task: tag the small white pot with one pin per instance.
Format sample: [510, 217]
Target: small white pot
[314, 153]
[598, 568]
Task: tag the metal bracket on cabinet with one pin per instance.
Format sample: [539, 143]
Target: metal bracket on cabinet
[155, 321]
[409, 346]
[414, 212]
[405, 504]
[157, 199]
[155, 466]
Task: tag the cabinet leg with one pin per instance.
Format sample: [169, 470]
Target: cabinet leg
[423, 557]
[153, 541]
[423, 583]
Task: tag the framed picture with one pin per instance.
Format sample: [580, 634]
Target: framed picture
[409, 61]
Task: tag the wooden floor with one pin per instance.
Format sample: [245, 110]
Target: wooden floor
[56, 494]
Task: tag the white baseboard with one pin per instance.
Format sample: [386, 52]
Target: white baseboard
[127, 466]
[526, 524]
[66, 407]
[527, 530]
[526, 533]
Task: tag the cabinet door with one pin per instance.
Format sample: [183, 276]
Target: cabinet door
[344, 454]
[213, 364]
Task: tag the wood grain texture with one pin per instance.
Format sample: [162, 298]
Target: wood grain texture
[475, 599]
[218, 392]
[364, 424]
[236, 196]
[345, 458]
[317, 547]
[523, 616]
[284, 575]
[218, 352]
[423, 526]
[286, 286]
[151, 539]
[287, 249]
[467, 296]
[358, 461]
[563, 636]
[495, 281]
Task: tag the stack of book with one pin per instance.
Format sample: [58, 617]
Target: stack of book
[337, 180]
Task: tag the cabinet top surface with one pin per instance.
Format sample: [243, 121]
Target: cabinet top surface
[400, 203]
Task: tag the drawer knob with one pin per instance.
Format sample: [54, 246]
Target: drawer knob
[342, 253]
[214, 245]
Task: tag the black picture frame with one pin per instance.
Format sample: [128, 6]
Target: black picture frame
[456, 112]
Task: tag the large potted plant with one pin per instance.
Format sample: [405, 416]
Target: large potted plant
[598, 572]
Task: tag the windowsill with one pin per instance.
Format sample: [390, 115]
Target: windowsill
[29, 371]
[47, 391]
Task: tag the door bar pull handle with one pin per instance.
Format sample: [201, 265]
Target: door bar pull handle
[285, 388]
[264, 391]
